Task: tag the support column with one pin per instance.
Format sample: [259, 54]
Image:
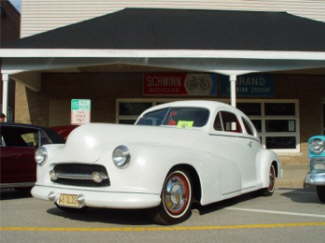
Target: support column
[5, 93]
[233, 80]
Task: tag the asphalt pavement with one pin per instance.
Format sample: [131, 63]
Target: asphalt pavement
[290, 215]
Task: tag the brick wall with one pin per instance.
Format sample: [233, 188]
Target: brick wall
[102, 88]
[105, 88]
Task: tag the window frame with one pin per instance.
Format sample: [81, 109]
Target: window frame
[240, 132]
[251, 126]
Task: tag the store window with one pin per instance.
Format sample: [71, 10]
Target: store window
[257, 125]
[280, 125]
[128, 112]
[280, 109]
[251, 109]
[276, 121]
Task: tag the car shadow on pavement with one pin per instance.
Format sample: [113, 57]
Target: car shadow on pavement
[138, 217]
[227, 203]
[301, 195]
[14, 194]
[103, 215]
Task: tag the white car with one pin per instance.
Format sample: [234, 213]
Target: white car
[176, 153]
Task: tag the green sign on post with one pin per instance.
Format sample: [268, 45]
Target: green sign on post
[80, 104]
[80, 111]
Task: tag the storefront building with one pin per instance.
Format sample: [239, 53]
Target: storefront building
[276, 75]
[283, 108]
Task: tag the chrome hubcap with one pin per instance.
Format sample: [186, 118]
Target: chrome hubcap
[176, 195]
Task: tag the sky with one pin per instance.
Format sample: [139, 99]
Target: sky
[16, 3]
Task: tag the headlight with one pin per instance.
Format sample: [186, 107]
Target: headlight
[40, 155]
[121, 156]
[317, 146]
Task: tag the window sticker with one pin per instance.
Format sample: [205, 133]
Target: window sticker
[184, 124]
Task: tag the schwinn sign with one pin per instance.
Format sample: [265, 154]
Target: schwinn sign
[179, 84]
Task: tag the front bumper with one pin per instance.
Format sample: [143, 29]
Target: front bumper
[100, 199]
[317, 179]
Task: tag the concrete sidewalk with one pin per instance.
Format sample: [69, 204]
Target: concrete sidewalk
[293, 175]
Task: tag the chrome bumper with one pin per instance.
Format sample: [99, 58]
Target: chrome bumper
[317, 179]
[93, 198]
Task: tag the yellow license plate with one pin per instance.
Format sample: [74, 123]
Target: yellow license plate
[69, 200]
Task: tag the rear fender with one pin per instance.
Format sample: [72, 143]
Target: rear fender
[265, 158]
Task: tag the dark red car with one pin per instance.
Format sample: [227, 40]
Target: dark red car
[64, 131]
[18, 143]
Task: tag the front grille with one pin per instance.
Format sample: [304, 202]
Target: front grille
[79, 175]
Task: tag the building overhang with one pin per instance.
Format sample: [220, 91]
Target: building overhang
[221, 61]
[239, 43]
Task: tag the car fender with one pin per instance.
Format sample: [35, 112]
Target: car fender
[265, 158]
[42, 170]
[156, 160]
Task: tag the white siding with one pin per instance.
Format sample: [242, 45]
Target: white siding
[42, 15]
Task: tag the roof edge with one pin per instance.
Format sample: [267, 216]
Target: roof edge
[158, 53]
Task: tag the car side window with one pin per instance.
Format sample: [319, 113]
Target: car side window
[248, 127]
[218, 123]
[230, 122]
[30, 138]
[19, 137]
[154, 118]
[2, 141]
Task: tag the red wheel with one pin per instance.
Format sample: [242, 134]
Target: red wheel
[176, 198]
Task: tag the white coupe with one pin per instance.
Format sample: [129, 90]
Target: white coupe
[175, 154]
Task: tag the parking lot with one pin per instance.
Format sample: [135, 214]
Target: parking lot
[290, 215]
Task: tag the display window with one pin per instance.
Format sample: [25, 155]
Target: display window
[276, 121]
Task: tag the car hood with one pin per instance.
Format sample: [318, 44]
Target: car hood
[88, 142]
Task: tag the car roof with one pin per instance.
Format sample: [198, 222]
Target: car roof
[22, 125]
[210, 105]
[53, 135]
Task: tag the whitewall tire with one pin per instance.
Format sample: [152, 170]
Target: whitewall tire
[176, 198]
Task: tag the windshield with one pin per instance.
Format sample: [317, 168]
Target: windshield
[176, 116]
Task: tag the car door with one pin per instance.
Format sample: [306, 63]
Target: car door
[17, 155]
[17, 164]
[253, 145]
[235, 152]
[225, 148]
